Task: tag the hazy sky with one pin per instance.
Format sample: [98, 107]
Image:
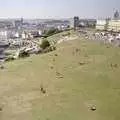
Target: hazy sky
[57, 8]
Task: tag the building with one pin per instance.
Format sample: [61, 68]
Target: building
[25, 35]
[116, 15]
[110, 25]
[100, 24]
[114, 25]
[18, 24]
[78, 23]
[88, 23]
[5, 24]
[16, 35]
[3, 34]
[71, 23]
[74, 23]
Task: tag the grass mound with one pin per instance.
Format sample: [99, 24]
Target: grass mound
[83, 74]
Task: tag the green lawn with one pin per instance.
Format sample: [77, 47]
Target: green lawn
[86, 78]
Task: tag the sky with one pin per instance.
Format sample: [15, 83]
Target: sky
[44, 9]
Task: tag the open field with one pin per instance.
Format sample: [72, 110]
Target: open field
[78, 74]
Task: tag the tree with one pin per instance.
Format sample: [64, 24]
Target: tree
[51, 32]
[44, 44]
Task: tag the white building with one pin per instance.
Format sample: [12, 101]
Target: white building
[114, 25]
[109, 25]
[40, 32]
[3, 34]
[23, 35]
[17, 35]
[100, 25]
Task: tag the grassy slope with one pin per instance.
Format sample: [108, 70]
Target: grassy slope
[67, 98]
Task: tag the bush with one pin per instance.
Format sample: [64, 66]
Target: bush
[49, 49]
[9, 59]
[45, 44]
[66, 34]
[51, 32]
[24, 54]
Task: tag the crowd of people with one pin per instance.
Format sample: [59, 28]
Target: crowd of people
[105, 37]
